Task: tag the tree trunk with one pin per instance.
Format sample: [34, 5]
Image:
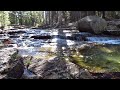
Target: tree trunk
[60, 18]
[103, 12]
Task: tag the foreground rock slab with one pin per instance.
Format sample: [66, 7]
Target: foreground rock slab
[5, 55]
[58, 69]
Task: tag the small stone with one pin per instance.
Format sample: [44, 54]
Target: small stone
[84, 74]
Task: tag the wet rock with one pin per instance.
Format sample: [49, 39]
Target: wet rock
[13, 69]
[16, 31]
[84, 74]
[1, 32]
[84, 47]
[58, 69]
[93, 24]
[12, 29]
[16, 70]
[14, 36]
[41, 37]
[7, 41]
[4, 60]
[29, 75]
[73, 70]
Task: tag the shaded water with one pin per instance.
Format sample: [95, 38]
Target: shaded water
[101, 57]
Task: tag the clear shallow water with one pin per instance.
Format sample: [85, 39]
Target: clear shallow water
[105, 40]
[100, 58]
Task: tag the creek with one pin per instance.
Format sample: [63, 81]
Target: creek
[93, 52]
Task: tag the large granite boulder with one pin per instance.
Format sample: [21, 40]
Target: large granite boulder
[93, 24]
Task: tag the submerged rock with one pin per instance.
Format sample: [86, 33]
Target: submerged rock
[11, 32]
[41, 37]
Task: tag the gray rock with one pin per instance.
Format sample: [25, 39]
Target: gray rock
[56, 69]
[4, 60]
[92, 24]
[16, 70]
[84, 74]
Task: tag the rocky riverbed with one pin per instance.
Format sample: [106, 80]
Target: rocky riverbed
[45, 48]
[56, 54]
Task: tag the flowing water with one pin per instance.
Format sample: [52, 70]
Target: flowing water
[105, 40]
[96, 53]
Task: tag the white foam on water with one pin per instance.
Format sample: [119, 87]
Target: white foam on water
[70, 42]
